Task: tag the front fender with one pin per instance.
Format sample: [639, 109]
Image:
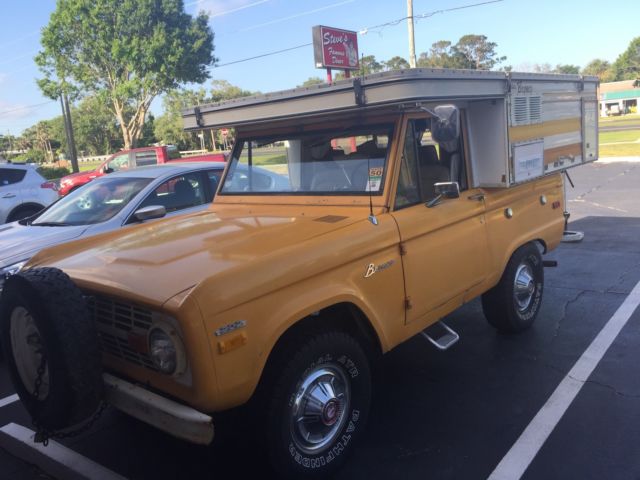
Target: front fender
[379, 297]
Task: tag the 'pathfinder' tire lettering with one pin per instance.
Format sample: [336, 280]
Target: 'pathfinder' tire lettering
[302, 444]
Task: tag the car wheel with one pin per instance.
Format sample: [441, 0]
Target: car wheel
[51, 347]
[85, 202]
[513, 304]
[317, 405]
[23, 212]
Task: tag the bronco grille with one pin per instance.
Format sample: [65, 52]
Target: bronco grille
[122, 329]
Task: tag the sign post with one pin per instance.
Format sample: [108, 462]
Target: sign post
[225, 137]
[334, 48]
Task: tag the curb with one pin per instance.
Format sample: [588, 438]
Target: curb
[54, 459]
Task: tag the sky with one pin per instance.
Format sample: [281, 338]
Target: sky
[527, 32]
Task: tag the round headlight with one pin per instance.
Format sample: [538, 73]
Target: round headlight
[166, 351]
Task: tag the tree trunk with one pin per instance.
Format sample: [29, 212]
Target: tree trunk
[123, 125]
[131, 129]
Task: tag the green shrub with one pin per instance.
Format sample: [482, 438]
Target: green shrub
[51, 173]
[633, 109]
[34, 155]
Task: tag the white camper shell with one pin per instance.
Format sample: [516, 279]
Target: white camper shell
[519, 126]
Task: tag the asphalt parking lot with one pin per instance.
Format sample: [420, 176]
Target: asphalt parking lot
[460, 413]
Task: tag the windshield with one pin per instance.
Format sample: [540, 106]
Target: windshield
[96, 202]
[351, 162]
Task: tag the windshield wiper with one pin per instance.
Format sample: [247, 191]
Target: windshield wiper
[51, 224]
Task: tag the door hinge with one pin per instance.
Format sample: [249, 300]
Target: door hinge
[407, 303]
[403, 249]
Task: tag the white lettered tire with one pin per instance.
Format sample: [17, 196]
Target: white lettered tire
[317, 405]
[513, 304]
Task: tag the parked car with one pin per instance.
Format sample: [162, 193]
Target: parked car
[115, 201]
[23, 191]
[128, 159]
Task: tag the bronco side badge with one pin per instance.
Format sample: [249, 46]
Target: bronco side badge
[372, 268]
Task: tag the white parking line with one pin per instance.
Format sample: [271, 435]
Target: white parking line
[522, 453]
[54, 459]
[9, 400]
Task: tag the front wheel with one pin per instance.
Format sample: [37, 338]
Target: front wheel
[317, 405]
[513, 304]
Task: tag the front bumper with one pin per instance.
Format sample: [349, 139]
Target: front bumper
[166, 415]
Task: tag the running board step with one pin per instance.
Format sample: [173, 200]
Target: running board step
[445, 338]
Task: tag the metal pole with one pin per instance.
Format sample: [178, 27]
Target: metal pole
[329, 79]
[72, 143]
[66, 125]
[412, 40]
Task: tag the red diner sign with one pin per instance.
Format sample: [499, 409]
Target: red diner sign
[335, 48]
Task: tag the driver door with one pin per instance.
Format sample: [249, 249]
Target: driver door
[445, 246]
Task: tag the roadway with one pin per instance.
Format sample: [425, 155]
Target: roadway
[460, 413]
[633, 125]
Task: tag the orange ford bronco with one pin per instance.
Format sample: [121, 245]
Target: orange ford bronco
[351, 217]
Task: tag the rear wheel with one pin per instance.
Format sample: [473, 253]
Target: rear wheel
[513, 304]
[51, 347]
[23, 212]
[317, 405]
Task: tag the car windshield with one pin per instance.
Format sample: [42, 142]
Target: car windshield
[344, 162]
[96, 202]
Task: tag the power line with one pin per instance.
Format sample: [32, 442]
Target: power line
[421, 16]
[262, 56]
[213, 15]
[26, 107]
[14, 59]
[20, 39]
[362, 32]
[296, 15]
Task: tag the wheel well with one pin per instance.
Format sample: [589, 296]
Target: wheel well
[541, 244]
[344, 317]
[24, 206]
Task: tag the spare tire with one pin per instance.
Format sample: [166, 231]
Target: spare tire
[51, 347]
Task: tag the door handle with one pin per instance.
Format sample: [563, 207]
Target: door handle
[477, 196]
[9, 195]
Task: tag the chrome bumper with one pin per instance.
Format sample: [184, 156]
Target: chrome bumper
[166, 415]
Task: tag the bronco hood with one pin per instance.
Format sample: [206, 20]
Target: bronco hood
[152, 263]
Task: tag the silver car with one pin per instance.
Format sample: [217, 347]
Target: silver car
[23, 191]
[110, 202]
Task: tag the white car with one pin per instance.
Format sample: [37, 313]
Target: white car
[23, 191]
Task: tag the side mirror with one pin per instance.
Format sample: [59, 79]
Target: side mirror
[444, 190]
[447, 189]
[150, 212]
[106, 170]
[445, 127]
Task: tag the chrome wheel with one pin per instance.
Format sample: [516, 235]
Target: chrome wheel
[320, 406]
[28, 351]
[524, 287]
[85, 202]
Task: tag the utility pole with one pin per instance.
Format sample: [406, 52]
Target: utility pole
[68, 126]
[412, 40]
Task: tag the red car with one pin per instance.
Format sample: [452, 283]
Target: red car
[136, 157]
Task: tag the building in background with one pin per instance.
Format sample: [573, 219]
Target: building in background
[617, 98]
